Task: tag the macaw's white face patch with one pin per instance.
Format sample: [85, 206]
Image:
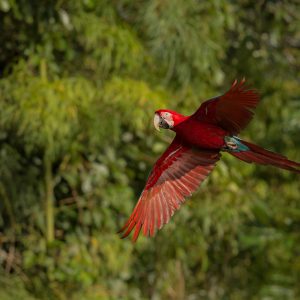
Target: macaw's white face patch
[163, 120]
[168, 117]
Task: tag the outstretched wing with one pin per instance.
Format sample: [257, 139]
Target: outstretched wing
[176, 175]
[231, 111]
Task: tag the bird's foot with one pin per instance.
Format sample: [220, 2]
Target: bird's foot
[234, 144]
[230, 143]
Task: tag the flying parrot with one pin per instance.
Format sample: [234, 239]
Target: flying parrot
[194, 152]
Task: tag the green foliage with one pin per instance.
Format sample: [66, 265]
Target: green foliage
[79, 83]
[108, 47]
[45, 111]
[181, 36]
[12, 288]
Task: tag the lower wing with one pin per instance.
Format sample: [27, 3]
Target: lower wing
[175, 176]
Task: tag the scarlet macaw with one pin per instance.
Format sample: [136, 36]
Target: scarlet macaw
[194, 152]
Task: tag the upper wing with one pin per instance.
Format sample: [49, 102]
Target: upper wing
[176, 175]
[232, 111]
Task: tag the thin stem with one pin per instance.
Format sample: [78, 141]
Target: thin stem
[49, 200]
[8, 207]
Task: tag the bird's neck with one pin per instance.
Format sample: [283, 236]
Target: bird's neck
[178, 119]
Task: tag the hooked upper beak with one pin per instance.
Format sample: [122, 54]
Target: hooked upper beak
[156, 121]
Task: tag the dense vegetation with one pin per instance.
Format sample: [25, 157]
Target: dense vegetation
[79, 83]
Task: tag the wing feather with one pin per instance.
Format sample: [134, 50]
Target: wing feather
[176, 175]
[232, 111]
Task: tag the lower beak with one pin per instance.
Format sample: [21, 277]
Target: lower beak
[156, 121]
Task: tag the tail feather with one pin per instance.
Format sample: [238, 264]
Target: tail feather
[259, 155]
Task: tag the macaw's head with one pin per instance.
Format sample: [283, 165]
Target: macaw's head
[167, 119]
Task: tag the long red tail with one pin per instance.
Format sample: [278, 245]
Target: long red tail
[261, 156]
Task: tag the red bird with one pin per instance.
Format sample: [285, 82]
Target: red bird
[194, 152]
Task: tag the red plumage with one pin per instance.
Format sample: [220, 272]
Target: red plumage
[262, 156]
[231, 111]
[193, 154]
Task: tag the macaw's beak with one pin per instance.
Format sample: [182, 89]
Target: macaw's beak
[156, 121]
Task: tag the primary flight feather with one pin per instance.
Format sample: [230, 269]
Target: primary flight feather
[193, 154]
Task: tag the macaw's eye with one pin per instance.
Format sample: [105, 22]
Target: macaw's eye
[163, 124]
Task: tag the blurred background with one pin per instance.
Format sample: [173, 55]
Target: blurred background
[79, 83]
